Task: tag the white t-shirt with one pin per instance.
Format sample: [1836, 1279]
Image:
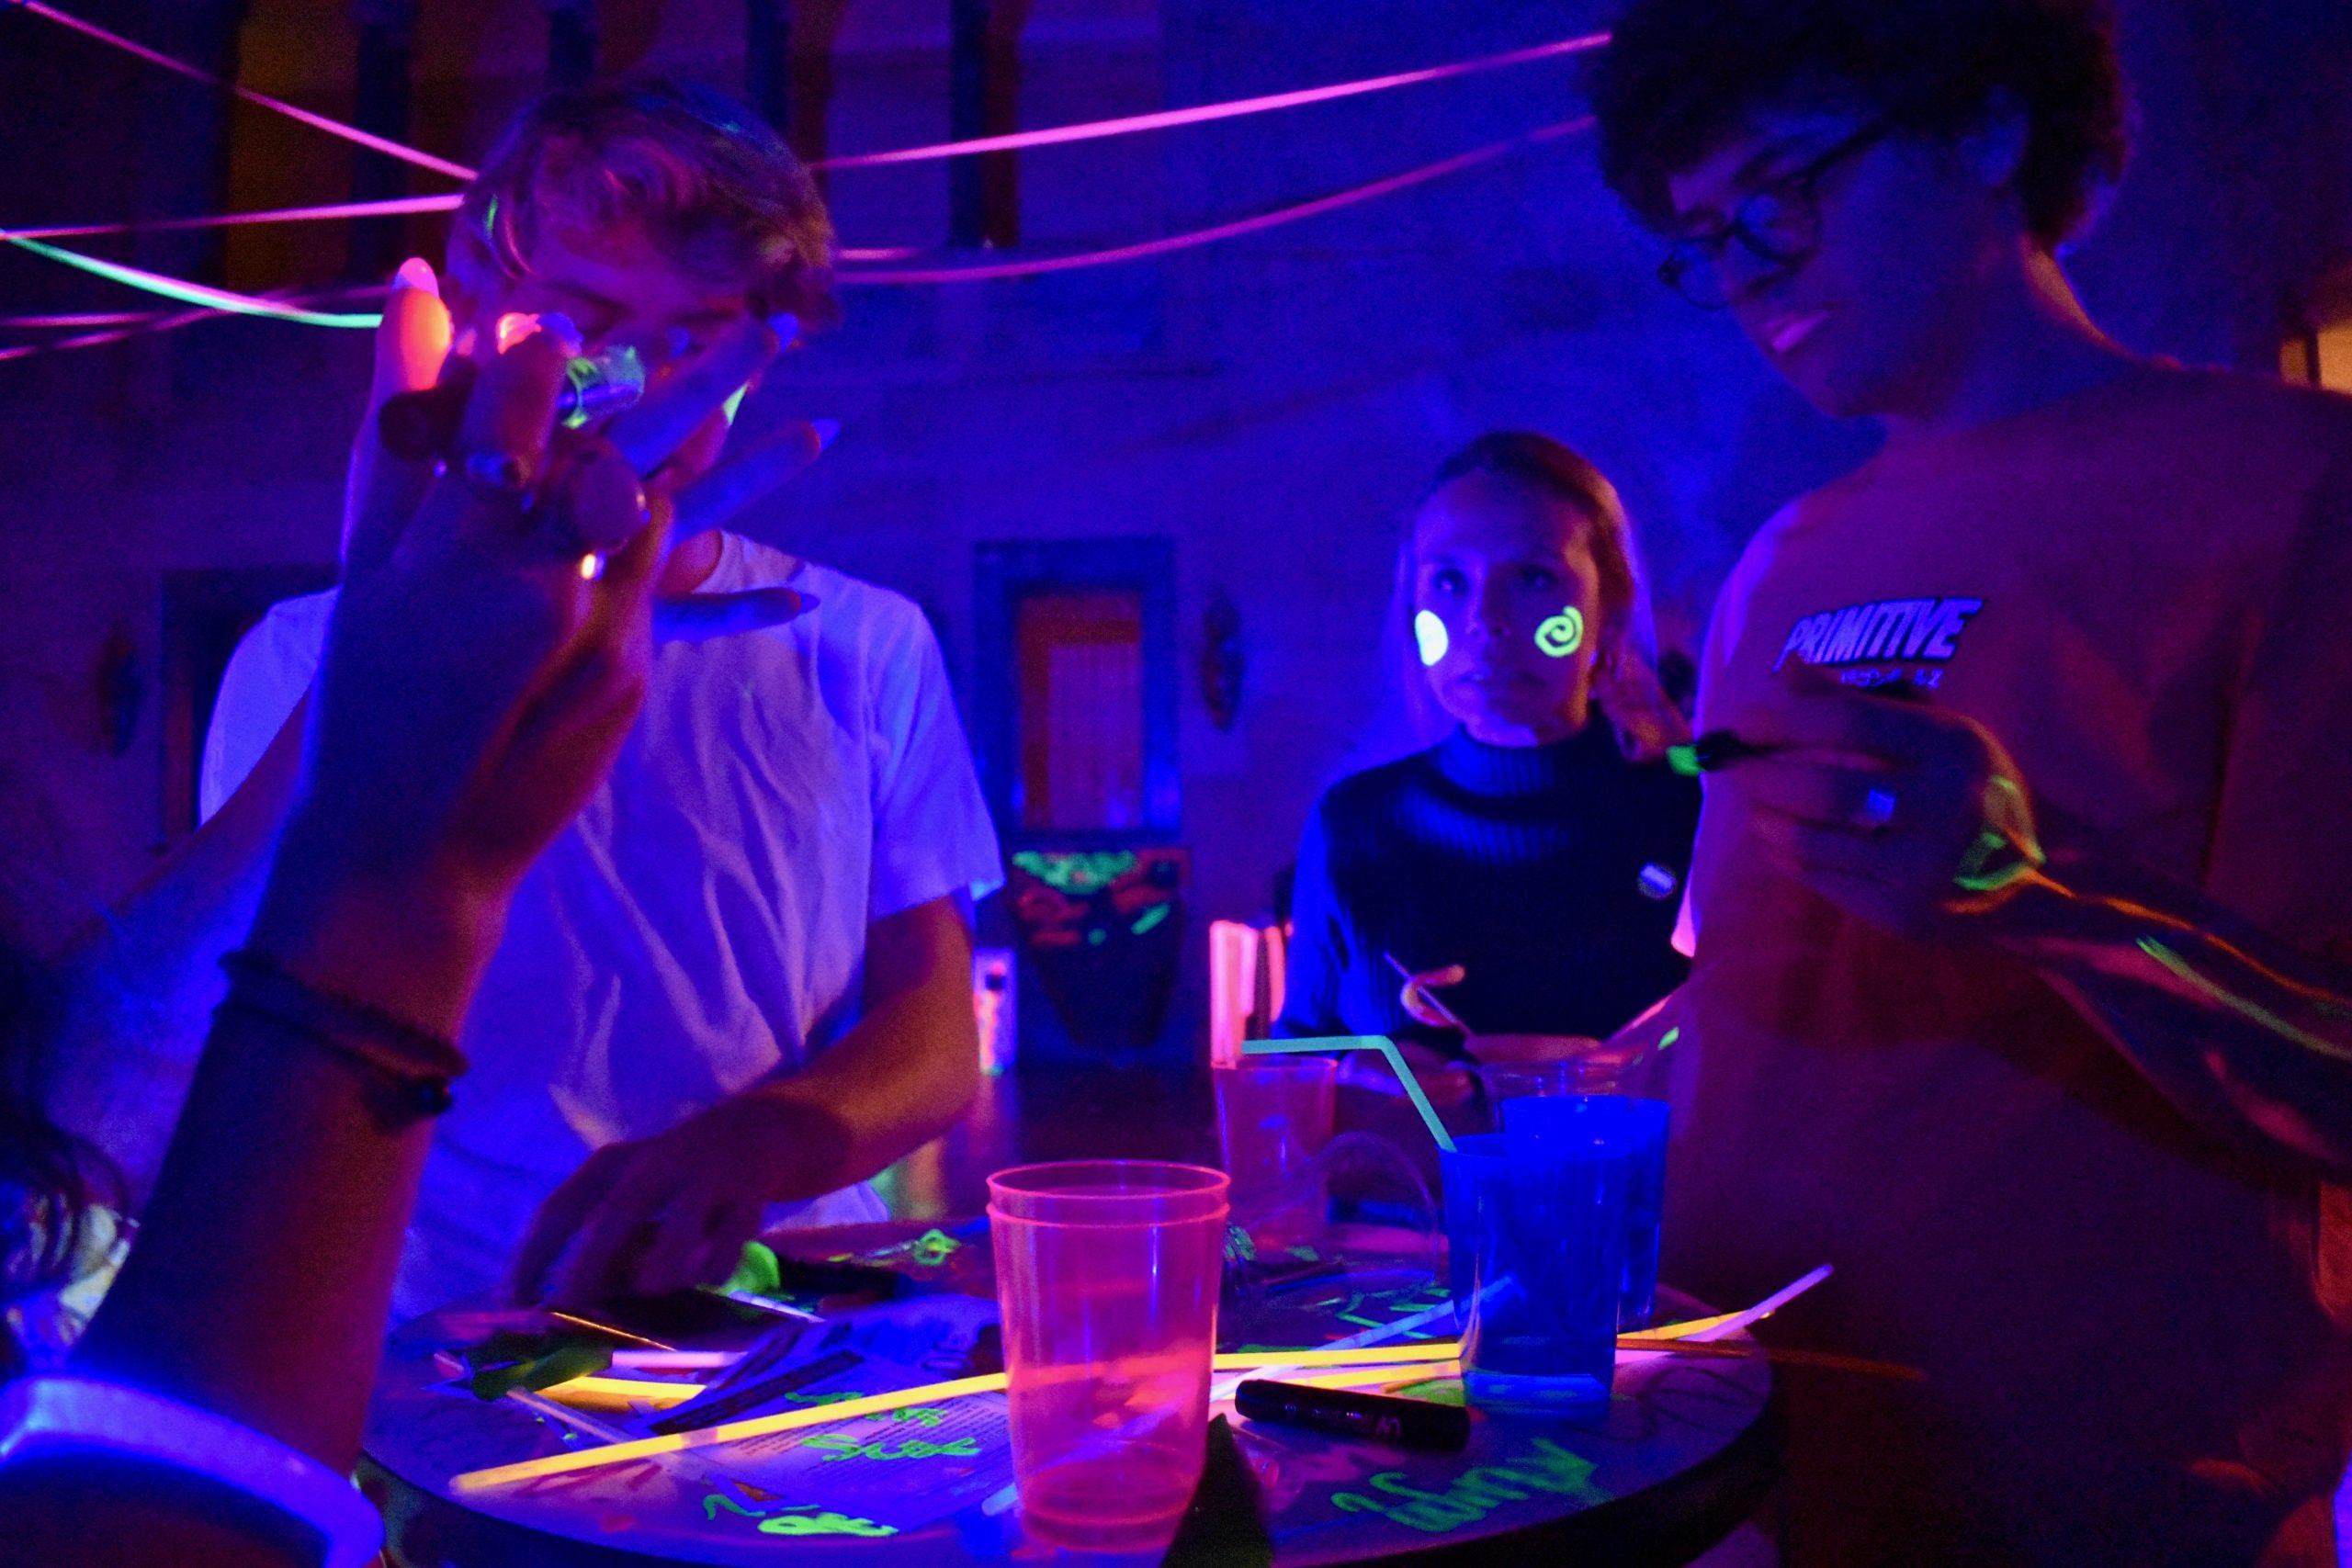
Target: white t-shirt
[702, 925]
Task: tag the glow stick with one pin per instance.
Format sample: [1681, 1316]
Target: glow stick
[597, 1389]
[1222, 230]
[729, 1432]
[332, 127]
[1387, 1048]
[190, 293]
[1763, 1309]
[1165, 119]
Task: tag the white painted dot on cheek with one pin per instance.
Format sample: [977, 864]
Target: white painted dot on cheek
[1430, 636]
[736, 403]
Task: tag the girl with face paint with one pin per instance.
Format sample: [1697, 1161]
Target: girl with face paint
[1539, 846]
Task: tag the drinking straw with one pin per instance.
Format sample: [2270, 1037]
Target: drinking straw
[1436, 1003]
[1379, 1042]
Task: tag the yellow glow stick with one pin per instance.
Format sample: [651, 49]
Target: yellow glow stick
[1365, 1356]
[597, 1391]
[729, 1432]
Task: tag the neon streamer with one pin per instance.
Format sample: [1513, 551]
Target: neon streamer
[1090, 131]
[392, 209]
[332, 127]
[1227, 230]
[1166, 119]
[190, 293]
[1561, 635]
[117, 335]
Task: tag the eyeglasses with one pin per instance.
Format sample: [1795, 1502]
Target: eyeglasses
[1778, 223]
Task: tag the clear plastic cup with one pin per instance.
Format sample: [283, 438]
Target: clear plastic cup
[1107, 1275]
[1273, 1116]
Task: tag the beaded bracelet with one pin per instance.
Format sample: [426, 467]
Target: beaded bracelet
[413, 1067]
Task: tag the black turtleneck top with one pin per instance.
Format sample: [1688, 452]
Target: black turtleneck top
[1553, 873]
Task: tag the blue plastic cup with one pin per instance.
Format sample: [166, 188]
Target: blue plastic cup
[1543, 1221]
[1643, 1123]
[1461, 1212]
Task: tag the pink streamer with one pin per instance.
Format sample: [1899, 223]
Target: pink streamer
[1202, 114]
[332, 127]
[1227, 230]
[1163, 119]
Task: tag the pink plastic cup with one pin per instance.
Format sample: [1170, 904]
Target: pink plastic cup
[1274, 1115]
[1106, 1276]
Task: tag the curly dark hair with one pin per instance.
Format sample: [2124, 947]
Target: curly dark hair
[1680, 76]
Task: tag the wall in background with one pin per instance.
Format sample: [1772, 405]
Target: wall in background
[1272, 404]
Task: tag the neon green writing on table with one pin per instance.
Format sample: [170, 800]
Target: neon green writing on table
[823, 1523]
[1475, 1494]
[837, 1446]
[799, 1518]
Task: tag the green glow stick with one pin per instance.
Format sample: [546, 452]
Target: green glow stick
[191, 293]
[1379, 1042]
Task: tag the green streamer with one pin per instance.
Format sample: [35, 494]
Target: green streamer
[192, 293]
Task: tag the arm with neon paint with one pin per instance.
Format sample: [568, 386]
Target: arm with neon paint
[2233, 996]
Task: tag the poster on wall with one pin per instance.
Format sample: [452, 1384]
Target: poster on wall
[1102, 930]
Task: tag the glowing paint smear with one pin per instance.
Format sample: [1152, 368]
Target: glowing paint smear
[1561, 635]
[1430, 636]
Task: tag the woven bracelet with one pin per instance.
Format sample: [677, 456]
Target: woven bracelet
[418, 1064]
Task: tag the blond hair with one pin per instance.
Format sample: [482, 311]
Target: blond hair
[713, 186]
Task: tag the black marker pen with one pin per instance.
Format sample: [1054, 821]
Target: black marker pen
[1376, 1418]
[1713, 752]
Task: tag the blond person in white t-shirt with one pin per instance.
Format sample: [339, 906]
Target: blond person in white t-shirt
[739, 986]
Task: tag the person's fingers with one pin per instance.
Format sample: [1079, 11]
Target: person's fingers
[710, 500]
[1421, 1009]
[381, 490]
[413, 341]
[1828, 794]
[738, 1221]
[502, 440]
[598, 1266]
[559, 1218]
[674, 407]
[698, 617]
[1451, 975]
[599, 501]
[689, 1230]
[1840, 719]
